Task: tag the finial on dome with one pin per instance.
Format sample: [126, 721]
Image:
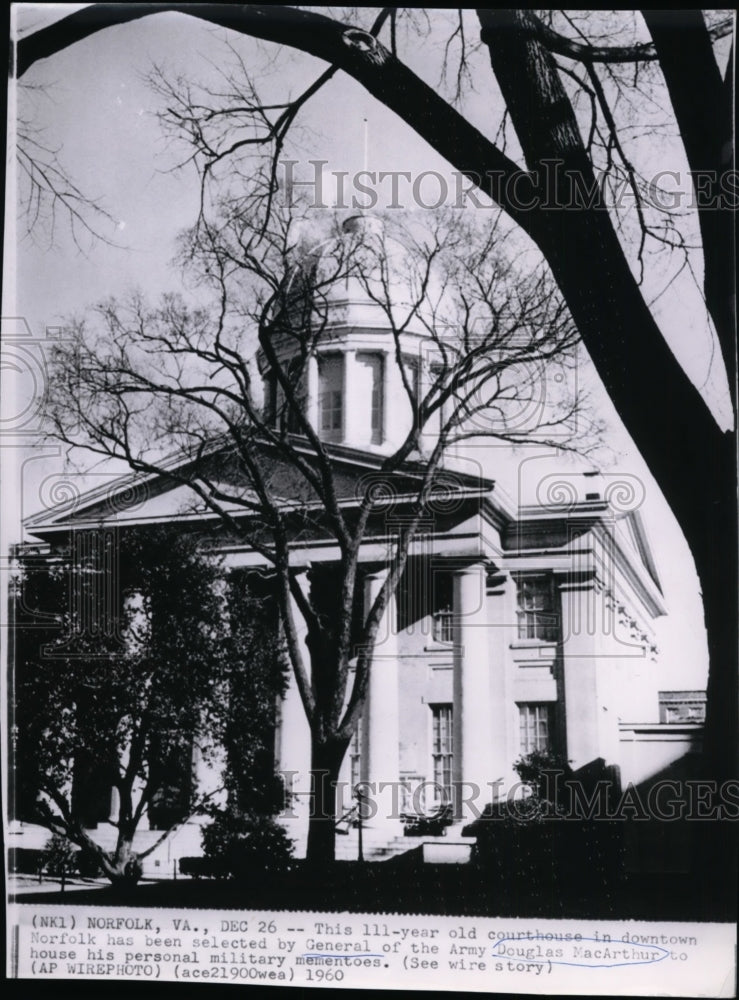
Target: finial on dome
[362, 223]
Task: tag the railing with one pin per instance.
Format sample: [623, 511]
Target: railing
[352, 819]
[348, 820]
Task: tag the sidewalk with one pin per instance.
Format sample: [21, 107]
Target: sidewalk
[28, 885]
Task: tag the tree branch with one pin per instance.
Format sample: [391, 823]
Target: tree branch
[585, 53]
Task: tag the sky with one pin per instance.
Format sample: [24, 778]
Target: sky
[94, 105]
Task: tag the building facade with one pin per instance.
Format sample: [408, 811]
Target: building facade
[517, 626]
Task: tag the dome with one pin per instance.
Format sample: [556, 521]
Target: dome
[340, 296]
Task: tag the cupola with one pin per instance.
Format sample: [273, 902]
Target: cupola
[339, 347]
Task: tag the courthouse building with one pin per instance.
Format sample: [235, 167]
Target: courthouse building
[524, 620]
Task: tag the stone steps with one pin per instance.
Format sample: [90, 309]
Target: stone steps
[378, 848]
[347, 848]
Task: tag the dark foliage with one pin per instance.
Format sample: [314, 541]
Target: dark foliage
[133, 649]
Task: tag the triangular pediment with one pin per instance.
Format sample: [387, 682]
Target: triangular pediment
[179, 492]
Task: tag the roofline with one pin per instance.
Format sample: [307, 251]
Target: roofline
[124, 481]
[56, 518]
[209, 515]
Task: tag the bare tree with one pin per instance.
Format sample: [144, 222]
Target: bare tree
[141, 381]
[565, 78]
[48, 196]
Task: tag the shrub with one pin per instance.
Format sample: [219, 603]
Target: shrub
[201, 868]
[538, 837]
[538, 769]
[244, 845]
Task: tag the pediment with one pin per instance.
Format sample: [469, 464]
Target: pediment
[170, 496]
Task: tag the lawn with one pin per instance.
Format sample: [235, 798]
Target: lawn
[403, 885]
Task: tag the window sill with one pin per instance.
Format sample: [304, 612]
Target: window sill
[534, 653]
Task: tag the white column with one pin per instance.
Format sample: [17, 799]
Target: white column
[357, 430]
[312, 393]
[294, 746]
[473, 722]
[381, 733]
[580, 676]
[503, 712]
[398, 411]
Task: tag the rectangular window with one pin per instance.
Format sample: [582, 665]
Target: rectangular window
[444, 626]
[537, 614]
[443, 616]
[439, 382]
[442, 751]
[535, 723]
[413, 788]
[374, 369]
[278, 409]
[270, 399]
[331, 397]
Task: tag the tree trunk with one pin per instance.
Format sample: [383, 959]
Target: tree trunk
[713, 542]
[702, 103]
[326, 758]
[123, 868]
[692, 460]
